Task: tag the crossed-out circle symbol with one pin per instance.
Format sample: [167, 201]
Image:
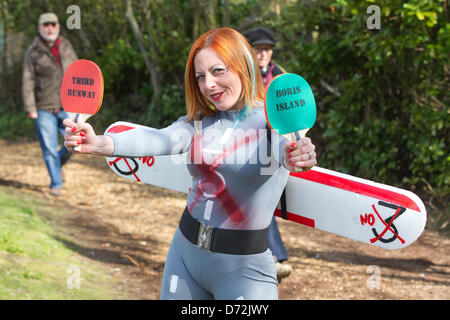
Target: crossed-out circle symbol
[132, 171]
[388, 223]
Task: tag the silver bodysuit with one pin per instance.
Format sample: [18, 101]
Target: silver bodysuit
[238, 178]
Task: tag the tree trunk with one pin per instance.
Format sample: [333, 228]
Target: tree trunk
[197, 19]
[226, 13]
[138, 34]
[4, 14]
[210, 14]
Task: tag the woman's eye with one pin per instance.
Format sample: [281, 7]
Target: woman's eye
[199, 77]
[218, 71]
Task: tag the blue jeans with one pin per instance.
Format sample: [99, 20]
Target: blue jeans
[48, 124]
[275, 243]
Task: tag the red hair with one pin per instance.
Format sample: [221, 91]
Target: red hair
[236, 52]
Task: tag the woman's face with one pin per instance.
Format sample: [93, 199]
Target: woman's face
[263, 53]
[217, 83]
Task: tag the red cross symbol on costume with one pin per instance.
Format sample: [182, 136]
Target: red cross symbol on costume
[213, 184]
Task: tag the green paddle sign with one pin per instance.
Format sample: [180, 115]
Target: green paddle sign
[290, 106]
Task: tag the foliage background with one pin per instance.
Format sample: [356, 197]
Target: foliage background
[382, 95]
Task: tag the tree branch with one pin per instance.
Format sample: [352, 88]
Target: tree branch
[329, 88]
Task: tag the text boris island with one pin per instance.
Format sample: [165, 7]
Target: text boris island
[286, 105]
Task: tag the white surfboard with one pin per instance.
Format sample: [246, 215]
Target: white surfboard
[355, 208]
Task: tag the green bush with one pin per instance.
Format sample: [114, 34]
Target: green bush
[16, 125]
[169, 107]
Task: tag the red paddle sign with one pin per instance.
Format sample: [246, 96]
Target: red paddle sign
[82, 90]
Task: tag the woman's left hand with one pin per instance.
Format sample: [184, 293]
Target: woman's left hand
[299, 154]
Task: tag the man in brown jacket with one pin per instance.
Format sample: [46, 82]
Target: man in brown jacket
[44, 64]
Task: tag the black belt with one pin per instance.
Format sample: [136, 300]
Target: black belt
[223, 240]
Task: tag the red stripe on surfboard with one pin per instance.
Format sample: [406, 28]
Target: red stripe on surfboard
[358, 187]
[296, 218]
[120, 128]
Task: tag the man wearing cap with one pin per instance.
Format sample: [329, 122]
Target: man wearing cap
[44, 64]
[263, 42]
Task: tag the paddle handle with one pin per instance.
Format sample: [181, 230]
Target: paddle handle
[79, 118]
[294, 137]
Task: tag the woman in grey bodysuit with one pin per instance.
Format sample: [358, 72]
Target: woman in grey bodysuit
[219, 250]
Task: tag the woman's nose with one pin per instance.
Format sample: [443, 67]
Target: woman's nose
[210, 81]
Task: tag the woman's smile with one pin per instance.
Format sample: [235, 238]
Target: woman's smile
[217, 96]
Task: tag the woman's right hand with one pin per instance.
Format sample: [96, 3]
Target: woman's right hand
[82, 134]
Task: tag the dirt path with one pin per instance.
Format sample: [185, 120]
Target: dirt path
[127, 227]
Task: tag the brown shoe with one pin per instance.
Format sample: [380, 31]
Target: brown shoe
[283, 270]
[56, 192]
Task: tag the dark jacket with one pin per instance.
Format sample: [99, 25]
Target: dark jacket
[42, 77]
[272, 71]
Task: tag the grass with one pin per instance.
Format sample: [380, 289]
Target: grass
[34, 262]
